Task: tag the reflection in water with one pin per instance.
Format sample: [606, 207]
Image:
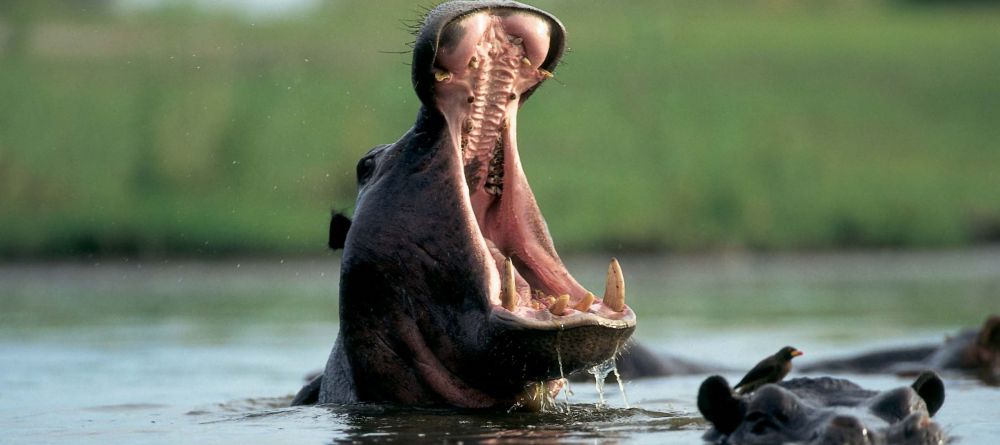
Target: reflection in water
[403, 424]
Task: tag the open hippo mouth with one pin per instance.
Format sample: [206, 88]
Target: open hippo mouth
[451, 290]
[487, 61]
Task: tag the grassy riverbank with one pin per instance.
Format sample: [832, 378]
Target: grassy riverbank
[672, 126]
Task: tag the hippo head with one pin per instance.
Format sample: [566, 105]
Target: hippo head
[451, 289]
[973, 351]
[823, 411]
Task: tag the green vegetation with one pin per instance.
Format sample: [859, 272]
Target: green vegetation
[672, 125]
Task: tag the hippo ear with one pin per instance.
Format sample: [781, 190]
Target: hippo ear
[339, 225]
[930, 388]
[717, 404]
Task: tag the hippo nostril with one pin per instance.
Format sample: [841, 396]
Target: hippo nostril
[763, 426]
[846, 430]
[847, 422]
[915, 424]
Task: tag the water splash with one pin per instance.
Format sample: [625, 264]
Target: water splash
[600, 373]
[546, 402]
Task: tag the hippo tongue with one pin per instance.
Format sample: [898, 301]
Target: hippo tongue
[485, 65]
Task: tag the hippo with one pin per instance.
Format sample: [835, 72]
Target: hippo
[451, 291]
[971, 351]
[821, 411]
[975, 353]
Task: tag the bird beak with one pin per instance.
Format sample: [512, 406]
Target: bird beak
[797, 353]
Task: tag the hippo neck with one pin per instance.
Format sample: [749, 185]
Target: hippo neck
[399, 368]
[398, 336]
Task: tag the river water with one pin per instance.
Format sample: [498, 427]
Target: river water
[128, 351]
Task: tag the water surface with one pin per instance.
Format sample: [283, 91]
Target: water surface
[127, 351]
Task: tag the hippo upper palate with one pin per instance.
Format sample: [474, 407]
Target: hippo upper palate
[486, 63]
[451, 289]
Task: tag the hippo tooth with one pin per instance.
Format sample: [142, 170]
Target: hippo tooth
[474, 63]
[442, 76]
[508, 291]
[526, 61]
[614, 287]
[549, 300]
[545, 73]
[584, 304]
[559, 306]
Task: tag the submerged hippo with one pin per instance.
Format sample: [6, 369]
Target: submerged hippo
[451, 291]
[823, 411]
[972, 351]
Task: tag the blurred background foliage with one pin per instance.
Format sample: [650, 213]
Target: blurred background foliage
[199, 128]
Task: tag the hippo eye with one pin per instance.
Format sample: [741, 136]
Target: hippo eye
[365, 168]
[762, 426]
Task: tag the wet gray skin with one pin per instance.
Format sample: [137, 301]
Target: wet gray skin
[823, 411]
[422, 318]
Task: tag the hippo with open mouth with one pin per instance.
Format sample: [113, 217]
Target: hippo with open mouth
[451, 291]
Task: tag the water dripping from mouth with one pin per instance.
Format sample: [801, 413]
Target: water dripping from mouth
[600, 373]
[567, 391]
[621, 386]
[618, 377]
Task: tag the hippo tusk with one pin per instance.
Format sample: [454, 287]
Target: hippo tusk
[614, 287]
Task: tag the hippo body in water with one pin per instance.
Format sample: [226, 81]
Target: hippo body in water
[971, 351]
[451, 291]
[820, 411]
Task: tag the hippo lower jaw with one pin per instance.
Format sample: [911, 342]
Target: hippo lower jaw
[487, 62]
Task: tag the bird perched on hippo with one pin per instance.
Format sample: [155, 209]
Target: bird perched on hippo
[770, 370]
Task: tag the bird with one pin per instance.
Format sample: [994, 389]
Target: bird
[769, 370]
